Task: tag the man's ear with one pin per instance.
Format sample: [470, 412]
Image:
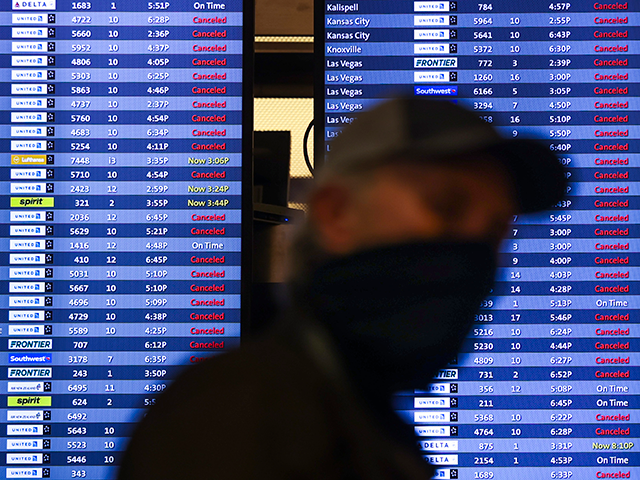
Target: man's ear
[331, 212]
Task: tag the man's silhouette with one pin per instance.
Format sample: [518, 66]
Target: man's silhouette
[397, 252]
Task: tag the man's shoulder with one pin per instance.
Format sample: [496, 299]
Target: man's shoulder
[270, 410]
[262, 398]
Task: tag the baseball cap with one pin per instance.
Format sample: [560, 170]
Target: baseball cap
[429, 130]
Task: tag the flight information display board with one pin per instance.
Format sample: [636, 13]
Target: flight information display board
[546, 386]
[125, 145]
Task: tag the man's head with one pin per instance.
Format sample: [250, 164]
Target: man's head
[472, 200]
[402, 234]
[414, 170]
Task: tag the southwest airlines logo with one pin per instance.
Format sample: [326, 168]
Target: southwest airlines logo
[29, 358]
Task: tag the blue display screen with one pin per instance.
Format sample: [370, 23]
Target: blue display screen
[549, 376]
[123, 149]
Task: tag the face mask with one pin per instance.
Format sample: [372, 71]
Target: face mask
[400, 313]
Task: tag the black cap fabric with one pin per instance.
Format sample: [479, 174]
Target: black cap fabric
[433, 130]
